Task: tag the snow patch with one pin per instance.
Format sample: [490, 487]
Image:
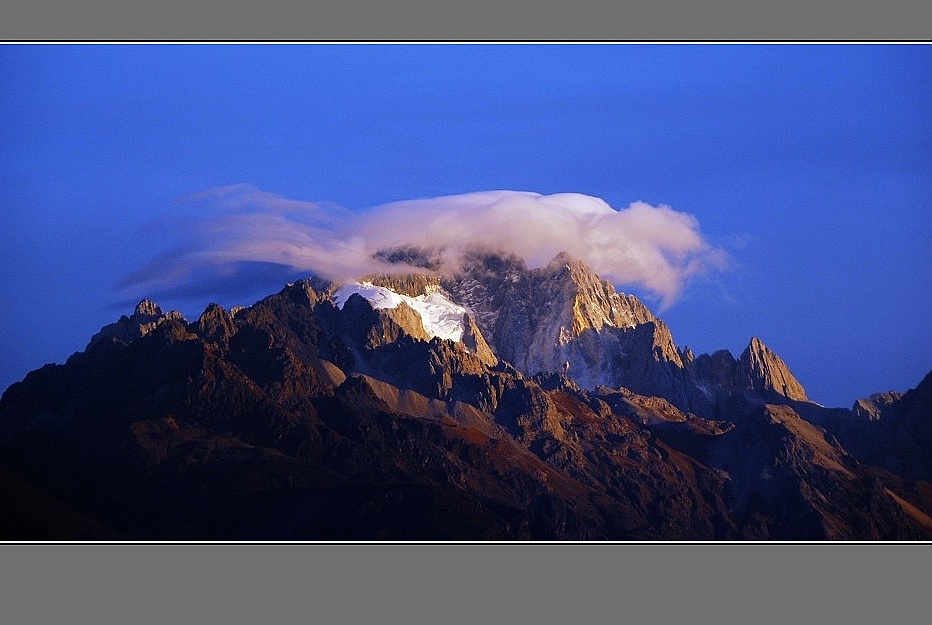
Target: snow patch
[440, 317]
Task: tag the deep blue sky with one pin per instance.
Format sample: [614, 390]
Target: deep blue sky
[810, 164]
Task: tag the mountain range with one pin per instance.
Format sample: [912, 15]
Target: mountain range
[492, 401]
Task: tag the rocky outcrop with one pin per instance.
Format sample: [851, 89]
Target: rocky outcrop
[874, 407]
[410, 284]
[560, 317]
[475, 342]
[760, 369]
[216, 325]
[890, 430]
[145, 318]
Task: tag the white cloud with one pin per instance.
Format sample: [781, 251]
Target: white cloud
[656, 248]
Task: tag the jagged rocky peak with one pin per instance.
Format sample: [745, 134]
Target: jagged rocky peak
[215, 324]
[566, 289]
[873, 408]
[560, 317]
[760, 369]
[687, 355]
[305, 292]
[475, 341]
[593, 302]
[147, 308]
[146, 317]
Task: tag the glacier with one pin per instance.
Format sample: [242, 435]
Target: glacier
[440, 317]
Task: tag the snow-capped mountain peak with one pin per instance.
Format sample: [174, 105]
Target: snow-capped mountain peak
[439, 316]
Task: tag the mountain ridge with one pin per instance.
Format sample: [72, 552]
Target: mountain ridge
[297, 418]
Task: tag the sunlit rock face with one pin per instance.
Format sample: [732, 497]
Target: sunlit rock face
[563, 318]
[761, 369]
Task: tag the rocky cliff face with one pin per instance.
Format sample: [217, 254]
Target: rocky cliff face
[533, 318]
[762, 370]
[563, 318]
[758, 370]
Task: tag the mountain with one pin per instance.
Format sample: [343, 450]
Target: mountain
[889, 430]
[492, 402]
[145, 318]
[563, 317]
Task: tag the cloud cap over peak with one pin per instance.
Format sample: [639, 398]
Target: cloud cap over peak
[654, 247]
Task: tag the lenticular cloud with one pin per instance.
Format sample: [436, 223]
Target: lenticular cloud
[655, 248]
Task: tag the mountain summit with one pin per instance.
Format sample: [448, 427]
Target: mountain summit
[145, 318]
[762, 370]
[495, 401]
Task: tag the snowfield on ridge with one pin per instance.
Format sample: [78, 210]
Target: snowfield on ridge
[440, 317]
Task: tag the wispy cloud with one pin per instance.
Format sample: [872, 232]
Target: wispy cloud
[653, 247]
